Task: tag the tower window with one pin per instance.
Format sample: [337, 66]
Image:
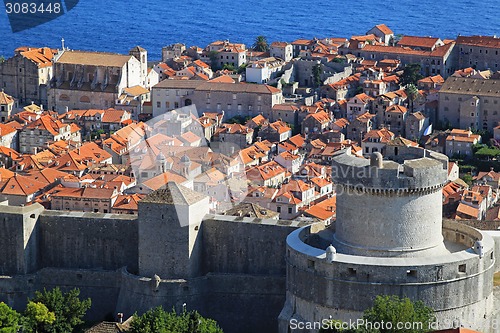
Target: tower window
[351, 271]
[462, 268]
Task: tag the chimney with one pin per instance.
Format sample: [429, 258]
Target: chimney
[120, 317]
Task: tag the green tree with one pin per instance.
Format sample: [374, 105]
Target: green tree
[67, 307]
[38, 318]
[158, 320]
[2, 59]
[9, 319]
[412, 93]
[260, 44]
[214, 60]
[394, 310]
[228, 67]
[411, 74]
[317, 70]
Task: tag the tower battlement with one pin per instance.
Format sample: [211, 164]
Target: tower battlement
[411, 171]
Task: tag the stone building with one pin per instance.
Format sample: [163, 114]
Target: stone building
[337, 271]
[86, 199]
[282, 50]
[37, 134]
[93, 80]
[479, 52]
[238, 134]
[233, 54]
[416, 124]
[6, 106]
[172, 51]
[26, 76]
[470, 103]
[235, 99]
[442, 60]
[461, 142]
[383, 32]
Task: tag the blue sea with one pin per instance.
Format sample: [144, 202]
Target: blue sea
[117, 26]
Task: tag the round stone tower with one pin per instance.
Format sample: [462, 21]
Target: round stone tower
[389, 209]
[389, 239]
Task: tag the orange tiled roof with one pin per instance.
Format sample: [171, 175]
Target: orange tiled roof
[47, 123]
[40, 56]
[396, 109]
[113, 116]
[439, 51]
[418, 41]
[384, 29]
[6, 129]
[432, 79]
[325, 209]
[5, 99]
[484, 41]
[298, 140]
[21, 185]
[128, 202]
[467, 212]
[383, 134]
[265, 171]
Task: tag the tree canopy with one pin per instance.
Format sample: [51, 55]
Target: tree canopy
[37, 318]
[392, 311]
[411, 74]
[260, 44]
[158, 320]
[67, 308]
[317, 70]
[412, 92]
[9, 319]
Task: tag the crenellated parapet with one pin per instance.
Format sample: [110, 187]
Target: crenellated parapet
[422, 170]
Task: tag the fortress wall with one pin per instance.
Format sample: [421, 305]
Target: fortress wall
[102, 287]
[88, 240]
[244, 245]
[19, 239]
[15, 290]
[139, 294]
[496, 252]
[239, 303]
[245, 303]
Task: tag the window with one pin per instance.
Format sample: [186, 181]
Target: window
[310, 264]
[158, 104]
[176, 105]
[167, 105]
[278, 209]
[290, 210]
[234, 96]
[462, 268]
[351, 271]
[411, 273]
